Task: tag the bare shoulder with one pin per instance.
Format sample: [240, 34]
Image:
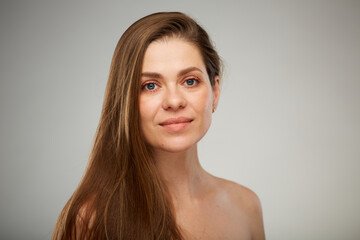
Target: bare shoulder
[246, 202]
[241, 195]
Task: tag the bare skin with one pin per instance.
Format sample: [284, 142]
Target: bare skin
[208, 207]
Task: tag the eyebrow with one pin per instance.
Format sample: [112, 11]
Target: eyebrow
[181, 73]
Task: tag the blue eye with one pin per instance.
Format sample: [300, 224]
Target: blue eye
[150, 86]
[190, 82]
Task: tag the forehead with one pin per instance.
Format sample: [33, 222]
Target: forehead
[171, 54]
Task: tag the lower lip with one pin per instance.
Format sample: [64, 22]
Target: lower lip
[175, 127]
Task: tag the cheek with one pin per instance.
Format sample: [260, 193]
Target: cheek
[148, 108]
[145, 111]
[142, 106]
[204, 105]
[145, 118]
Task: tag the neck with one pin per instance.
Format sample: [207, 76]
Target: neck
[182, 173]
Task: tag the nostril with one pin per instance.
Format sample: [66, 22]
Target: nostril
[174, 102]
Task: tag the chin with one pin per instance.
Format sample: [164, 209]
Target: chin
[174, 149]
[177, 145]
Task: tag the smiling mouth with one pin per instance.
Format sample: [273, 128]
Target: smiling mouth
[176, 124]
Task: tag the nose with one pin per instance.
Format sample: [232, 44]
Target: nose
[173, 99]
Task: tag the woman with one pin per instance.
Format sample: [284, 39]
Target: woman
[144, 179]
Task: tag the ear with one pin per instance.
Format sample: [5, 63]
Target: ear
[216, 92]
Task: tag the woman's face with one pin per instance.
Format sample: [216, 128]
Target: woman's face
[176, 99]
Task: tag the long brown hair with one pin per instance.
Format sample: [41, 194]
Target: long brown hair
[121, 195]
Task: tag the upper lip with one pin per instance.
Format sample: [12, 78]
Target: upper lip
[176, 120]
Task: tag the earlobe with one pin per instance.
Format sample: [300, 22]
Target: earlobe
[216, 92]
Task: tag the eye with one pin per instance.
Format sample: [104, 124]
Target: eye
[150, 86]
[191, 82]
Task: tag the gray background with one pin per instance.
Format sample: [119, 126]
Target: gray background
[287, 126]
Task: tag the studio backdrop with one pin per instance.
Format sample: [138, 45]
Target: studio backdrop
[287, 125]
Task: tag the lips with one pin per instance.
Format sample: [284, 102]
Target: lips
[176, 124]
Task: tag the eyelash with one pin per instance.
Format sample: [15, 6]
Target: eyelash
[147, 84]
[196, 81]
[144, 86]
